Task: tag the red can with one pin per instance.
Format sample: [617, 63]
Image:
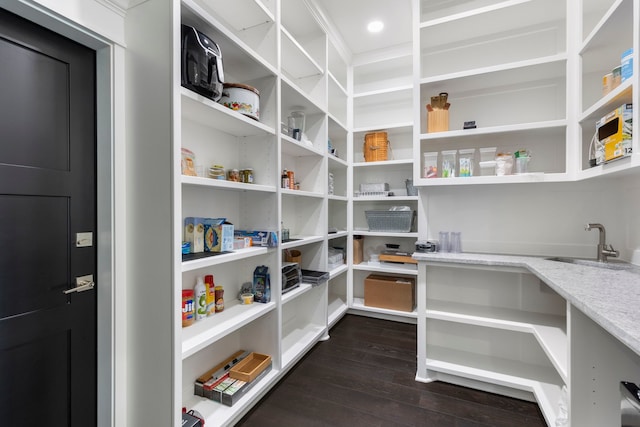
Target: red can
[188, 307]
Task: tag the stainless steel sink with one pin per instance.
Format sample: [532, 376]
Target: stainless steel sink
[611, 265]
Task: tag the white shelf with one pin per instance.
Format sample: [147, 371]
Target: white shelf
[207, 331]
[302, 193]
[404, 125]
[495, 130]
[358, 304]
[217, 414]
[620, 95]
[237, 255]
[204, 111]
[384, 163]
[539, 380]
[296, 61]
[505, 179]
[613, 26]
[338, 271]
[226, 185]
[297, 148]
[333, 161]
[393, 268]
[295, 293]
[391, 199]
[549, 330]
[297, 342]
[302, 240]
[383, 234]
[336, 309]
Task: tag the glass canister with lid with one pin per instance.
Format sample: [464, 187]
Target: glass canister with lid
[217, 172]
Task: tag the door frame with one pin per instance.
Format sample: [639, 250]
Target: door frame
[111, 214]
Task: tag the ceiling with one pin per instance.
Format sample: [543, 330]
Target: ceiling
[350, 18]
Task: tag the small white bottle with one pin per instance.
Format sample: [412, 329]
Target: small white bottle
[200, 298]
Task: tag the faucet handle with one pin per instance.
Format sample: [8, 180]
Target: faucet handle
[609, 251]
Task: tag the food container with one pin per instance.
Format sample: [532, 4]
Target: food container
[247, 298]
[430, 167]
[488, 168]
[242, 98]
[246, 175]
[234, 175]
[487, 154]
[376, 147]
[449, 164]
[465, 158]
[217, 172]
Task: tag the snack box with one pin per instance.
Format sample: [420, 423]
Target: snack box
[258, 238]
[194, 233]
[218, 235]
[614, 131]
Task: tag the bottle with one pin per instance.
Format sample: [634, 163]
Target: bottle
[219, 290]
[200, 298]
[285, 179]
[211, 296]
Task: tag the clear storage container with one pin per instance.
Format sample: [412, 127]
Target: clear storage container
[466, 160]
[430, 167]
[448, 163]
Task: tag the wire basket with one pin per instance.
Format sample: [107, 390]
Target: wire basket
[390, 221]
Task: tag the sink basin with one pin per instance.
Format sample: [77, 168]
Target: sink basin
[611, 265]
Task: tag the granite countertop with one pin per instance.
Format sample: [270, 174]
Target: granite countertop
[610, 297]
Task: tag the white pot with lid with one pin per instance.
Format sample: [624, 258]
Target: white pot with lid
[242, 98]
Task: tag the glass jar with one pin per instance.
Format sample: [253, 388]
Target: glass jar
[217, 172]
[234, 175]
[247, 175]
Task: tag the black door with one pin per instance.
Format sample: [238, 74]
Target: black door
[47, 197]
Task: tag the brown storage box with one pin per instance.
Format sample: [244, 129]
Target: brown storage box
[437, 121]
[390, 292]
[376, 147]
[250, 367]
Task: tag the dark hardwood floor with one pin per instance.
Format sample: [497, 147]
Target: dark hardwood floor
[364, 375]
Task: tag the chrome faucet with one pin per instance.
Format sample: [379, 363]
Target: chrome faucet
[604, 250]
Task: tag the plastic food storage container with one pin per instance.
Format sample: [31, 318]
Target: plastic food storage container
[448, 164]
[466, 159]
[487, 154]
[488, 168]
[430, 167]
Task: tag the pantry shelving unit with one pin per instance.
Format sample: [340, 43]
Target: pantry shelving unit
[281, 49]
[382, 102]
[608, 29]
[494, 328]
[486, 78]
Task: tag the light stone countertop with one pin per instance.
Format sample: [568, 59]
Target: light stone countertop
[611, 298]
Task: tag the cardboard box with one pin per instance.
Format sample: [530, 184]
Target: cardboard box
[218, 235]
[614, 132]
[194, 233]
[259, 238]
[390, 292]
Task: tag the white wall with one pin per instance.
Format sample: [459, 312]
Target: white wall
[537, 219]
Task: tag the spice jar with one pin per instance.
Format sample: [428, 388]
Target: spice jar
[234, 175]
[217, 172]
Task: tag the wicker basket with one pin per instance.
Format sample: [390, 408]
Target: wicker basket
[376, 147]
[390, 221]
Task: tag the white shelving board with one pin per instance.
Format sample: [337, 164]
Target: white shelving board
[207, 331]
[358, 304]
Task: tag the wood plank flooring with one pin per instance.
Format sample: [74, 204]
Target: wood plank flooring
[364, 375]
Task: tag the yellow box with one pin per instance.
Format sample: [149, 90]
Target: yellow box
[614, 131]
[437, 121]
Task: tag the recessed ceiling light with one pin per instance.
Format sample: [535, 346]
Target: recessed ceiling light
[375, 26]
